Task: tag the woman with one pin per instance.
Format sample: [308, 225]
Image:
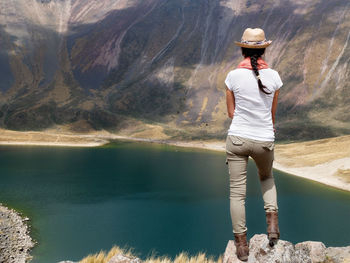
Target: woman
[251, 95]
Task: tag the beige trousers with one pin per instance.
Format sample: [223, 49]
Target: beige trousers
[238, 150]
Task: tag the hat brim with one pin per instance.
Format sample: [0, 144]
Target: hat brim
[264, 45]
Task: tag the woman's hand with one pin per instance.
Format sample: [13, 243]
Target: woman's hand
[230, 102]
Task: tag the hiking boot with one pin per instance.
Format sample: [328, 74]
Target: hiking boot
[242, 248]
[273, 232]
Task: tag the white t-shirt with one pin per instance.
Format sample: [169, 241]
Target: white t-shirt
[252, 117]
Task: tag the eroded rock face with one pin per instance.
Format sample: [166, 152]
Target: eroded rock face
[285, 252]
[71, 61]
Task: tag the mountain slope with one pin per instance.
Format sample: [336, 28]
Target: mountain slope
[99, 64]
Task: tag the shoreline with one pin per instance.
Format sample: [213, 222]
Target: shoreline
[15, 241]
[55, 144]
[319, 173]
[323, 172]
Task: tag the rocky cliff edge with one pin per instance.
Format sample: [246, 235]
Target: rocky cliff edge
[285, 252]
[261, 252]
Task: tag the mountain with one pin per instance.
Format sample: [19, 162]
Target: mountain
[112, 64]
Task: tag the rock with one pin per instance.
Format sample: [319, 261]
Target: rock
[315, 250]
[119, 258]
[14, 237]
[230, 253]
[260, 251]
[338, 255]
[285, 252]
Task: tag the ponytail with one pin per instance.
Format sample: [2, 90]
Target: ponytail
[255, 54]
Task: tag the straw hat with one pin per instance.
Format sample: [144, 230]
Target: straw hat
[253, 38]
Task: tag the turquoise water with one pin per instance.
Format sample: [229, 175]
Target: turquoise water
[157, 199]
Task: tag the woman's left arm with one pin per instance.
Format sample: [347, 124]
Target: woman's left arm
[230, 103]
[274, 106]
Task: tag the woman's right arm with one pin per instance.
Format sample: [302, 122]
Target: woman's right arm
[230, 103]
[274, 106]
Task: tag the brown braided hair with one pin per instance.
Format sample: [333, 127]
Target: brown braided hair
[255, 54]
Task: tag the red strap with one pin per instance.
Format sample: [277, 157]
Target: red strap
[246, 64]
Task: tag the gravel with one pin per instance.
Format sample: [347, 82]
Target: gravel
[15, 242]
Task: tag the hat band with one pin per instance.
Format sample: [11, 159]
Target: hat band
[253, 42]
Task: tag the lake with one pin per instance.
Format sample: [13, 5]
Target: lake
[156, 199]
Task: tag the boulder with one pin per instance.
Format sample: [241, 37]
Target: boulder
[285, 252]
[315, 251]
[260, 251]
[338, 255]
[120, 258]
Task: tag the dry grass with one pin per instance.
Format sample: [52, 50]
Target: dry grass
[104, 257]
[313, 152]
[36, 137]
[185, 258]
[151, 132]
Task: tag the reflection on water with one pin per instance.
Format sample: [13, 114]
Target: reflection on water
[154, 198]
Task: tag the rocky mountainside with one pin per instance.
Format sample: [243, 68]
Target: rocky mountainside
[100, 64]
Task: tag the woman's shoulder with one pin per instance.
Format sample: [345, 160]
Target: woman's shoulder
[270, 70]
[238, 71]
[273, 74]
